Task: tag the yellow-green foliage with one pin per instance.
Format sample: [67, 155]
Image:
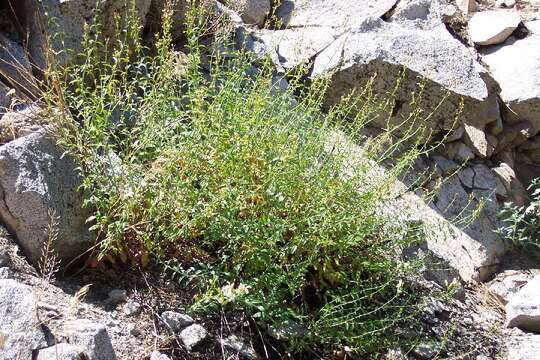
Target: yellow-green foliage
[225, 173]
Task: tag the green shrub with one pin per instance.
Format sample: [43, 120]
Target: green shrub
[521, 224]
[226, 175]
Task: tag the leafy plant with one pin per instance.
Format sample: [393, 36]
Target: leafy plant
[521, 224]
[196, 160]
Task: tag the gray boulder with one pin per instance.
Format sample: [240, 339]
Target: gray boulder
[37, 182]
[449, 73]
[176, 321]
[20, 328]
[523, 308]
[514, 65]
[344, 14]
[493, 27]
[193, 335]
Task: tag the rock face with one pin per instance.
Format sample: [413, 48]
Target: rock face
[38, 182]
[514, 66]
[492, 27]
[68, 22]
[20, 328]
[523, 309]
[432, 57]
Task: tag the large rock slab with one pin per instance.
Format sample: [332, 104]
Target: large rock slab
[20, 328]
[343, 14]
[37, 182]
[493, 27]
[515, 66]
[449, 74]
[523, 309]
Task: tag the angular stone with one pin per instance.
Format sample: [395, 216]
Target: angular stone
[523, 308]
[193, 335]
[176, 321]
[476, 139]
[156, 355]
[20, 328]
[297, 45]
[508, 283]
[451, 76]
[459, 151]
[458, 226]
[61, 351]
[251, 11]
[236, 344]
[37, 182]
[514, 65]
[515, 189]
[91, 337]
[343, 14]
[493, 27]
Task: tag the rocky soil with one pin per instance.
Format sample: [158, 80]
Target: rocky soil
[481, 57]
